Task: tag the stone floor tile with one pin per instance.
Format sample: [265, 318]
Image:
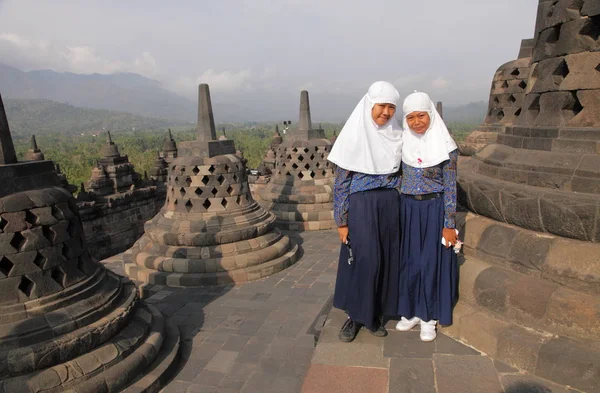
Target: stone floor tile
[504, 368]
[258, 383]
[176, 387]
[340, 379]
[236, 343]
[407, 344]
[448, 345]
[466, 374]
[208, 378]
[222, 361]
[350, 354]
[519, 383]
[412, 375]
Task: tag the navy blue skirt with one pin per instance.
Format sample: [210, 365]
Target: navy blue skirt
[428, 270]
[368, 289]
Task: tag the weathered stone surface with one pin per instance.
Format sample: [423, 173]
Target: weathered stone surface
[466, 374]
[411, 375]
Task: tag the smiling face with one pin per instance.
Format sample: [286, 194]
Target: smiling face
[382, 113]
[418, 122]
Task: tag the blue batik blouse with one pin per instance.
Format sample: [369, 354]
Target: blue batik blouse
[348, 182]
[438, 178]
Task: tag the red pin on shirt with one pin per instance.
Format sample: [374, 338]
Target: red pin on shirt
[419, 161]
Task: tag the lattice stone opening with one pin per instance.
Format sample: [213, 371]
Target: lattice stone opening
[307, 166]
[196, 170]
[26, 286]
[235, 177]
[574, 106]
[238, 200]
[182, 192]
[496, 100]
[300, 158]
[312, 174]
[295, 150]
[214, 191]
[522, 85]
[3, 222]
[176, 202]
[189, 205]
[226, 167]
[598, 67]
[30, 217]
[173, 168]
[198, 191]
[518, 112]
[515, 72]
[221, 179]
[554, 35]
[211, 169]
[6, 266]
[206, 204]
[176, 179]
[205, 180]
[17, 241]
[306, 149]
[188, 180]
[591, 28]
[182, 170]
[294, 166]
[500, 115]
[39, 260]
[289, 157]
[535, 104]
[512, 99]
[318, 165]
[300, 175]
[230, 190]
[560, 73]
[224, 203]
[58, 276]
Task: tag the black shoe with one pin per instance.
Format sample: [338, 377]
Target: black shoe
[349, 331]
[380, 331]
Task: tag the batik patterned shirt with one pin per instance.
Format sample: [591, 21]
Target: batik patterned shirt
[438, 178]
[348, 182]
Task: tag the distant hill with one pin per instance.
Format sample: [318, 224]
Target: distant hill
[124, 92]
[472, 113]
[38, 117]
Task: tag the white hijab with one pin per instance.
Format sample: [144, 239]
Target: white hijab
[432, 147]
[363, 146]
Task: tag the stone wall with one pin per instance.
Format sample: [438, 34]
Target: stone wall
[112, 225]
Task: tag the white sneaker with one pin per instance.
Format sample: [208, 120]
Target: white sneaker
[428, 330]
[404, 325]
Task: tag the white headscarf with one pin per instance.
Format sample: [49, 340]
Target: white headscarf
[432, 147]
[362, 145]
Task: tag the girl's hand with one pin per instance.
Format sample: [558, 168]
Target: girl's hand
[450, 235]
[343, 233]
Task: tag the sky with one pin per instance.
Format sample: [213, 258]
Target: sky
[265, 51]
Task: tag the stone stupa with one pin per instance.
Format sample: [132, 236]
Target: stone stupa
[300, 192]
[530, 286]
[67, 324]
[210, 231]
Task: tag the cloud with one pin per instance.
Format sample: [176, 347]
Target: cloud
[440, 83]
[226, 81]
[28, 54]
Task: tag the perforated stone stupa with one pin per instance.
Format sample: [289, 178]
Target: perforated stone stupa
[300, 192]
[210, 231]
[536, 194]
[66, 323]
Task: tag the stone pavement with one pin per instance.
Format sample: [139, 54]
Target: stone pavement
[255, 337]
[259, 337]
[402, 363]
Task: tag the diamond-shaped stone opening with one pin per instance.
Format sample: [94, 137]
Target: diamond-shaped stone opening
[576, 106]
[6, 266]
[312, 157]
[182, 191]
[214, 191]
[235, 177]
[512, 99]
[3, 224]
[289, 157]
[195, 171]
[294, 166]
[306, 149]
[598, 67]
[505, 84]
[515, 72]
[173, 168]
[188, 180]
[220, 179]
[206, 204]
[522, 85]
[226, 167]
[312, 174]
[288, 173]
[176, 202]
[182, 170]
[554, 35]
[59, 276]
[307, 166]
[30, 217]
[39, 260]
[496, 100]
[176, 179]
[535, 104]
[295, 150]
[591, 28]
[324, 172]
[224, 203]
[500, 115]
[211, 169]
[560, 73]
[238, 199]
[205, 180]
[518, 112]
[300, 158]
[198, 191]
[17, 241]
[230, 190]
[26, 286]
[189, 205]
[283, 165]
[318, 165]
[300, 175]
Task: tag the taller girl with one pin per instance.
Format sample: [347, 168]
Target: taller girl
[428, 269]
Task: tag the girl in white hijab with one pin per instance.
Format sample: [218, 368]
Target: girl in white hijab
[428, 270]
[367, 154]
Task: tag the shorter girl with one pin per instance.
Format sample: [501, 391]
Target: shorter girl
[428, 270]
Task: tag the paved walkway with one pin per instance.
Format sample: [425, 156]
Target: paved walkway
[259, 337]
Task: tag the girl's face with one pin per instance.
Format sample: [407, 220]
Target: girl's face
[418, 121]
[382, 113]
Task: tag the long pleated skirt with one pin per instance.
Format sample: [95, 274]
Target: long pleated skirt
[368, 288]
[428, 270]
